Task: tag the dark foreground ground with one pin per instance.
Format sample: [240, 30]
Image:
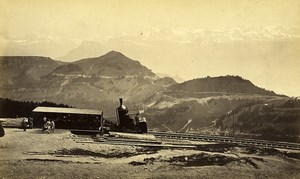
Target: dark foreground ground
[32, 154]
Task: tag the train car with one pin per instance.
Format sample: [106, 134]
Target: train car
[68, 118]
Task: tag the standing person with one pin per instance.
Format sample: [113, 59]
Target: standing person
[137, 119]
[30, 122]
[24, 123]
[48, 126]
[2, 132]
[45, 124]
[52, 125]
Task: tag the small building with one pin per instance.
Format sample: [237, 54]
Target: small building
[68, 118]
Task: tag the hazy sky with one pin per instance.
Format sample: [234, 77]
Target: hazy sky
[277, 68]
[84, 18]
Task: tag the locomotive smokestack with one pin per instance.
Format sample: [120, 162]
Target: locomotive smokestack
[121, 101]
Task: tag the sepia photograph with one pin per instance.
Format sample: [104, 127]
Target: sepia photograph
[149, 89]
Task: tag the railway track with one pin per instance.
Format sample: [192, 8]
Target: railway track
[213, 138]
[232, 140]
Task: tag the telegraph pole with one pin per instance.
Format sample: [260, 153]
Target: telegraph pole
[233, 124]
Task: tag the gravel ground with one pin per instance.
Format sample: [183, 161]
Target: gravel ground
[32, 154]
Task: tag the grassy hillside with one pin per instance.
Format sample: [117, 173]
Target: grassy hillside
[273, 119]
[113, 64]
[224, 84]
[23, 71]
[174, 109]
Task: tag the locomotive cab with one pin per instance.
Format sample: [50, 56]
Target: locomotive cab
[126, 123]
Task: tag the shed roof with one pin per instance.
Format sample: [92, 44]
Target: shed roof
[67, 110]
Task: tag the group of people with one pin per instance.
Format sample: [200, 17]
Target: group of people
[48, 126]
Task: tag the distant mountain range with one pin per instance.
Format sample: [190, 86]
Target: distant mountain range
[86, 49]
[38, 45]
[98, 82]
[61, 48]
[176, 77]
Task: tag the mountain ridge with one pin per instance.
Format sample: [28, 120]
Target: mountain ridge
[112, 63]
[225, 84]
[86, 49]
[25, 69]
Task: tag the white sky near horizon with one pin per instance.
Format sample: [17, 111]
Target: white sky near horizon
[87, 19]
[82, 18]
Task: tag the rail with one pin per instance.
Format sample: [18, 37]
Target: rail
[233, 140]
